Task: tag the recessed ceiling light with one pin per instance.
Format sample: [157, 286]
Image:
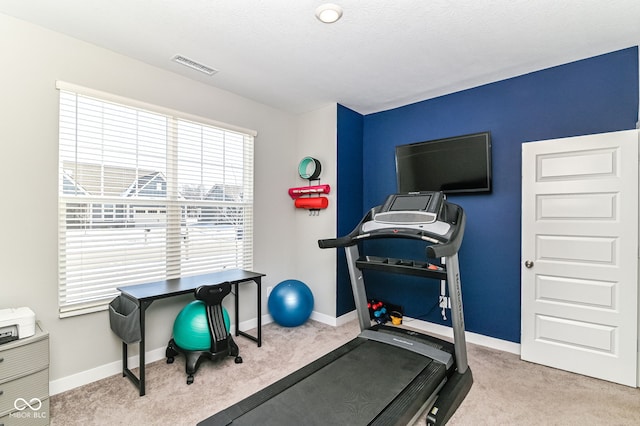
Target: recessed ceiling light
[328, 13]
[194, 65]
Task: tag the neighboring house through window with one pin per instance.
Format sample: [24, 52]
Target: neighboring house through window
[146, 194]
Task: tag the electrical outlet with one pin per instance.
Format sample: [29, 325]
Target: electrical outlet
[445, 302]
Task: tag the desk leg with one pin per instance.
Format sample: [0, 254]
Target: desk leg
[139, 381]
[236, 303]
[143, 309]
[125, 359]
[258, 282]
[257, 339]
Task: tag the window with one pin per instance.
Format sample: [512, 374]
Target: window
[146, 194]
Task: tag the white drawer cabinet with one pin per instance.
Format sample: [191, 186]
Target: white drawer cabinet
[24, 380]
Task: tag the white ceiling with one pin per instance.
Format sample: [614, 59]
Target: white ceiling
[380, 55]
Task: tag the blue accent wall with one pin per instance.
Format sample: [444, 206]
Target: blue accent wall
[594, 95]
[349, 201]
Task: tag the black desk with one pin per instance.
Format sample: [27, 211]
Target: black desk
[145, 294]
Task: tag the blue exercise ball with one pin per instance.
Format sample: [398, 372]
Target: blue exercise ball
[191, 327]
[290, 303]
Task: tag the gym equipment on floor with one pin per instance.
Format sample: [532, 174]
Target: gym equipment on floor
[221, 343]
[290, 303]
[387, 375]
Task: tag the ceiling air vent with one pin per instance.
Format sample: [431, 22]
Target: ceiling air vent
[194, 65]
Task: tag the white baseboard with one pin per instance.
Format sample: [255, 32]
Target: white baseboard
[101, 372]
[477, 339]
[317, 316]
[429, 327]
[335, 322]
[350, 316]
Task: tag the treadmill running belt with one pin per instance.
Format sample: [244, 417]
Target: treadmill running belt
[352, 390]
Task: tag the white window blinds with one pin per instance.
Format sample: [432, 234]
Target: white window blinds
[146, 194]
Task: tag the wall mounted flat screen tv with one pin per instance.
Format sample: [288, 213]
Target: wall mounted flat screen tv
[460, 164]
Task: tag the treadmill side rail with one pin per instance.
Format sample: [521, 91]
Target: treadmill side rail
[450, 397]
[457, 315]
[357, 286]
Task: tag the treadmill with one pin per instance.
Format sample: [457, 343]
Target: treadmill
[387, 375]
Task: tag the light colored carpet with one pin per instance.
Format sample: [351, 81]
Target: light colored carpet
[506, 390]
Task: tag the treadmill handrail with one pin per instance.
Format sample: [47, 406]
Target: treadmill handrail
[452, 246]
[351, 238]
[437, 249]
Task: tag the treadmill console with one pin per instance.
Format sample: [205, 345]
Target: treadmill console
[425, 216]
[414, 208]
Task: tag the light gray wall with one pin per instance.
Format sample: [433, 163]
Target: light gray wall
[33, 59]
[317, 138]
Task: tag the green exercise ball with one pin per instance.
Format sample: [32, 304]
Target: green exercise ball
[191, 328]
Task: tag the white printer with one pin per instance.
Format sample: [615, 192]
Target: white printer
[16, 323]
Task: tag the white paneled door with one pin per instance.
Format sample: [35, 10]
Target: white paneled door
[580, 255]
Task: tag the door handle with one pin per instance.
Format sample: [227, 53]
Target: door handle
[528, 264]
